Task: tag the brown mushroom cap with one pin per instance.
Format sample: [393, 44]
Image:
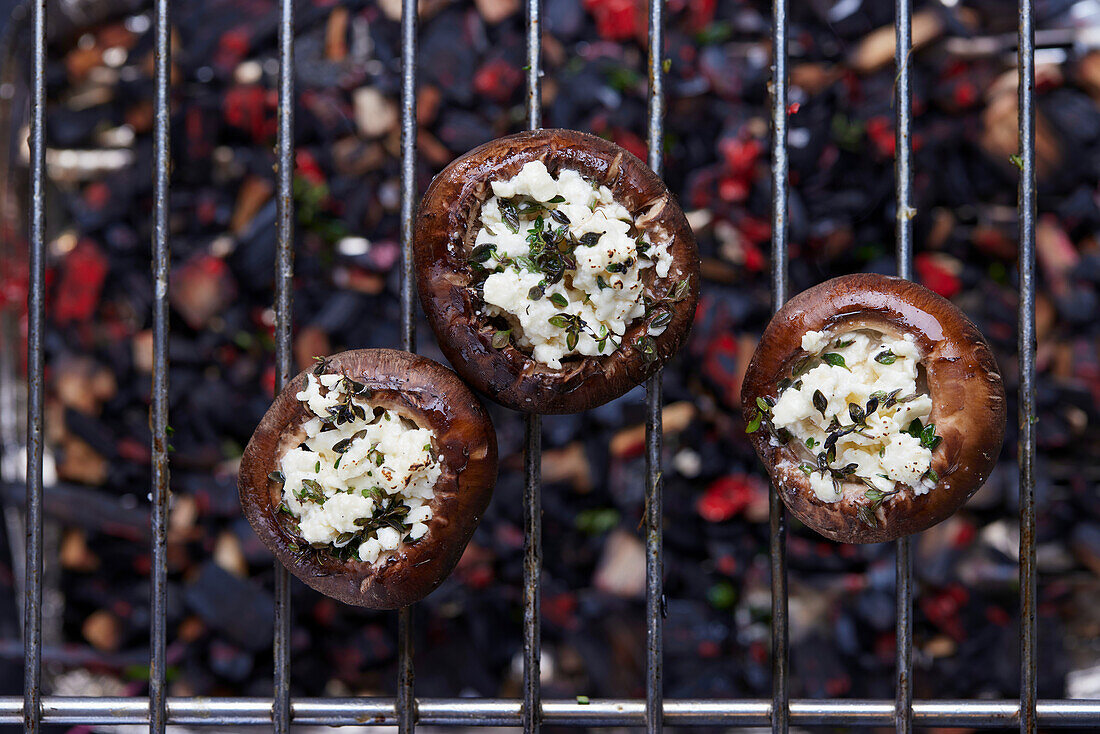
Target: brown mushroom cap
[968, 400]
[431, 396]
[446, 228]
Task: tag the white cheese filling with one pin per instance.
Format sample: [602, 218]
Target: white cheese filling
[586, 308]
[368, 480]
[874, 377]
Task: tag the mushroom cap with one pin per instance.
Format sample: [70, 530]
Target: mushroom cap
[446, 227]
[963, 381]
[433, 397]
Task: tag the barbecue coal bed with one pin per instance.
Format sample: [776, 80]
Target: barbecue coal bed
[531, 711]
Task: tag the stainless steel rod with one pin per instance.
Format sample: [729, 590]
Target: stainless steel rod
[777, 513]
[158, 713]
[532, 570]
[654, 504]
[284, 269]
[406, 703]
[1026, 355]
[532, 458]
[32, 591]
[509, 712]
[903, 175]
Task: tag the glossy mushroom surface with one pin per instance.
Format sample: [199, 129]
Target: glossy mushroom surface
[956, 370]
[447, 228]
[421, 392]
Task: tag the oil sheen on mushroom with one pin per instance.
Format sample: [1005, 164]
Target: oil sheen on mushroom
[360, 485]
[854, 410]
[561, 262]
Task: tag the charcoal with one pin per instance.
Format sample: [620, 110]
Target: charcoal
[234, 607]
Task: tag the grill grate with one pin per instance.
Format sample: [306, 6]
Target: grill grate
[531, 711]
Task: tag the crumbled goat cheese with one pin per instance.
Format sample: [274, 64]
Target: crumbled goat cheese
[883, 451]
[565, 264]
[358, 481]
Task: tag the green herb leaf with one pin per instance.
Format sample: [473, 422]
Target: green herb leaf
[867, 516]
[811, 442]
[583, 700]
[559, 320]
[502, 338]
[841, 344]
[754, 424]
[915, 428]
[571, 340]
[661, 320]
[856, 413]
[820, 403]
[886, 357]
[601, 283]
[559, 199]
[510, 216]
[1016, 161]
[928, 437]
[763, 405]
[559, 300]
[803, 365]
[536, 292]
[481, 254]
[647, 347]
[806, 468]
[680, 291]
[932, 475]
[835, 360]
[278, 477]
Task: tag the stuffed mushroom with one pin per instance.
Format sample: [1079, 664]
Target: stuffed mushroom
[556, 270]
[368, 475]
[876, 407]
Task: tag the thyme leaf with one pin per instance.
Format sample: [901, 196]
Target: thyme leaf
[680, 290]
[481, 254]
[820, 403]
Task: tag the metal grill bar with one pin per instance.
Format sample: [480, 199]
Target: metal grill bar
[509, 712]
[1026, 355]
[780, 715]
[654, 504]
[284, 294]
[903, 176]
[406, 703]
[532, 568]
[158, 713]
[532, 455]
[32, 600]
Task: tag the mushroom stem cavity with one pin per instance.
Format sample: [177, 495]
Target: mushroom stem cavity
[856, 417]
[361, 483]
[561, 262]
